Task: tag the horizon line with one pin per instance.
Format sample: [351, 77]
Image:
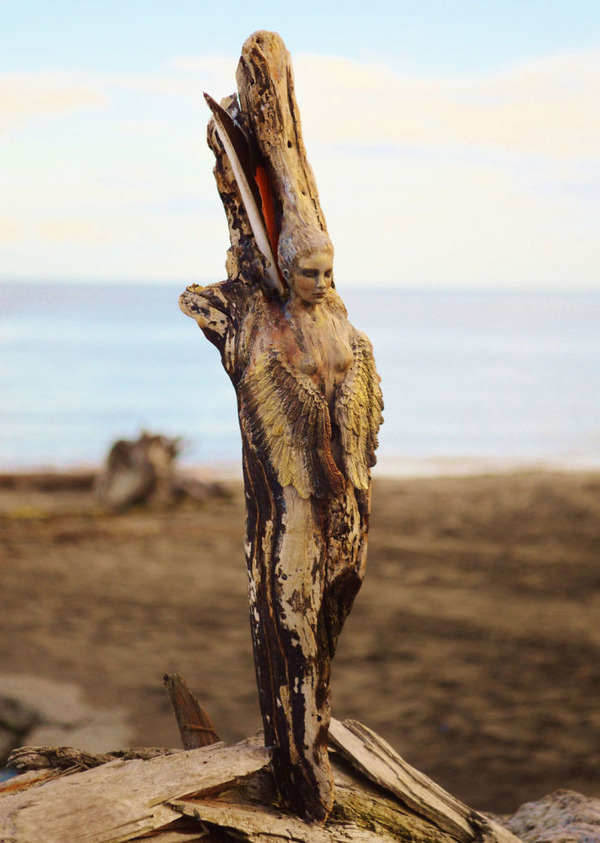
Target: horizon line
[401, 286]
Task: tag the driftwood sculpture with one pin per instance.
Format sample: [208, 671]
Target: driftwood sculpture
[309, 406]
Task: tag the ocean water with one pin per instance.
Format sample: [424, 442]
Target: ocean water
[478, 375]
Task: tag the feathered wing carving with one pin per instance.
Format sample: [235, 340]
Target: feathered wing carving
[236, 148]
[288, 421]
[358, 406]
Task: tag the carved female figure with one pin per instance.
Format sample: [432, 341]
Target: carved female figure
[309, 406]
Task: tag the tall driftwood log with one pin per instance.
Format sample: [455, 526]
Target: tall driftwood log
[309, 407]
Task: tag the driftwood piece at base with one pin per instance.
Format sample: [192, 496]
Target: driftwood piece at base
[230, 792]
[122, 800]
[374, 757]
[180, 832]
[68, 759]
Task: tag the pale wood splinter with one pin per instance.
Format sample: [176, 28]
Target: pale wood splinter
[309, 407]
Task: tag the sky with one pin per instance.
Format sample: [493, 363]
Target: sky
[455, 144]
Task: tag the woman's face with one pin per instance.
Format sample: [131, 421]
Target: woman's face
[311, 277]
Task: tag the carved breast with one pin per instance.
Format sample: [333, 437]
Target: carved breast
[321, 348]
[308, 365]
[341, 357]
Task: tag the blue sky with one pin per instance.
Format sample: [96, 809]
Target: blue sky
[454, 144]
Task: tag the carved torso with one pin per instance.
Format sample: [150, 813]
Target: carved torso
[324, 339]
[315, 341]
[309, 394]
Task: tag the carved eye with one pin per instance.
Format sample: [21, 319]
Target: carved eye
[328, 273]
[309, 273]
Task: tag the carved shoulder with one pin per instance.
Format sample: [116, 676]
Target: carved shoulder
[209, 307]
[225, 312]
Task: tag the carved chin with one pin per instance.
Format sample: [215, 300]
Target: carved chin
[314, 298]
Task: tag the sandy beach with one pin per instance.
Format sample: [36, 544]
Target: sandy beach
[473, 648]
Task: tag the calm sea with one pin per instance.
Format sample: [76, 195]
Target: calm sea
[502, 376]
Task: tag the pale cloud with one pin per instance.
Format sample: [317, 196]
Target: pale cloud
[26, 97]
[547, 108]
[160, 85]
[431, 221]
[11, 230]
[78, 230]
[472, 181]
[216, 75]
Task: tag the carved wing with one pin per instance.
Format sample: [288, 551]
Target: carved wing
[287, 419]
[253, 197]
[358, 406]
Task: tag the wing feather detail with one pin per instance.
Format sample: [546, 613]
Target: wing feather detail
[287, 419]
[358, 406]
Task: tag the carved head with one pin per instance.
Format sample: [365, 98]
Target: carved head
[305, 258]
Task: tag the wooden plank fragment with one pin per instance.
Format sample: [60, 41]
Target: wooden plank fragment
[362, 812]
[32, 778]
[259, 824]
[193, 720]
[374, 757]
[123, 799]
[195, 833]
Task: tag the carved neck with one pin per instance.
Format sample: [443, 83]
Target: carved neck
[297, 309]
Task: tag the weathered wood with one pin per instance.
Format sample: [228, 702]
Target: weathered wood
[360, 813]
[374, 757]
[181, 832]
[69, 759]
[244, 260]
[310, 407]
[121, 800]
[219, 791]
[139, 469]
[195, 725]
[267, 96]
[258, 825]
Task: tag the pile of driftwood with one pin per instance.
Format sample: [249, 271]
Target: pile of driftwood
[218, 793]
[135, 472]
[212, 792]
[144, 470]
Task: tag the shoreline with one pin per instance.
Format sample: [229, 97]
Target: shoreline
[393, 468]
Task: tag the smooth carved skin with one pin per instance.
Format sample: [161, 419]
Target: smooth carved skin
[311, 278]
[323, 334]
[315, 339]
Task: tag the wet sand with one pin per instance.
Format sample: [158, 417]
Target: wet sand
[473, 648]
